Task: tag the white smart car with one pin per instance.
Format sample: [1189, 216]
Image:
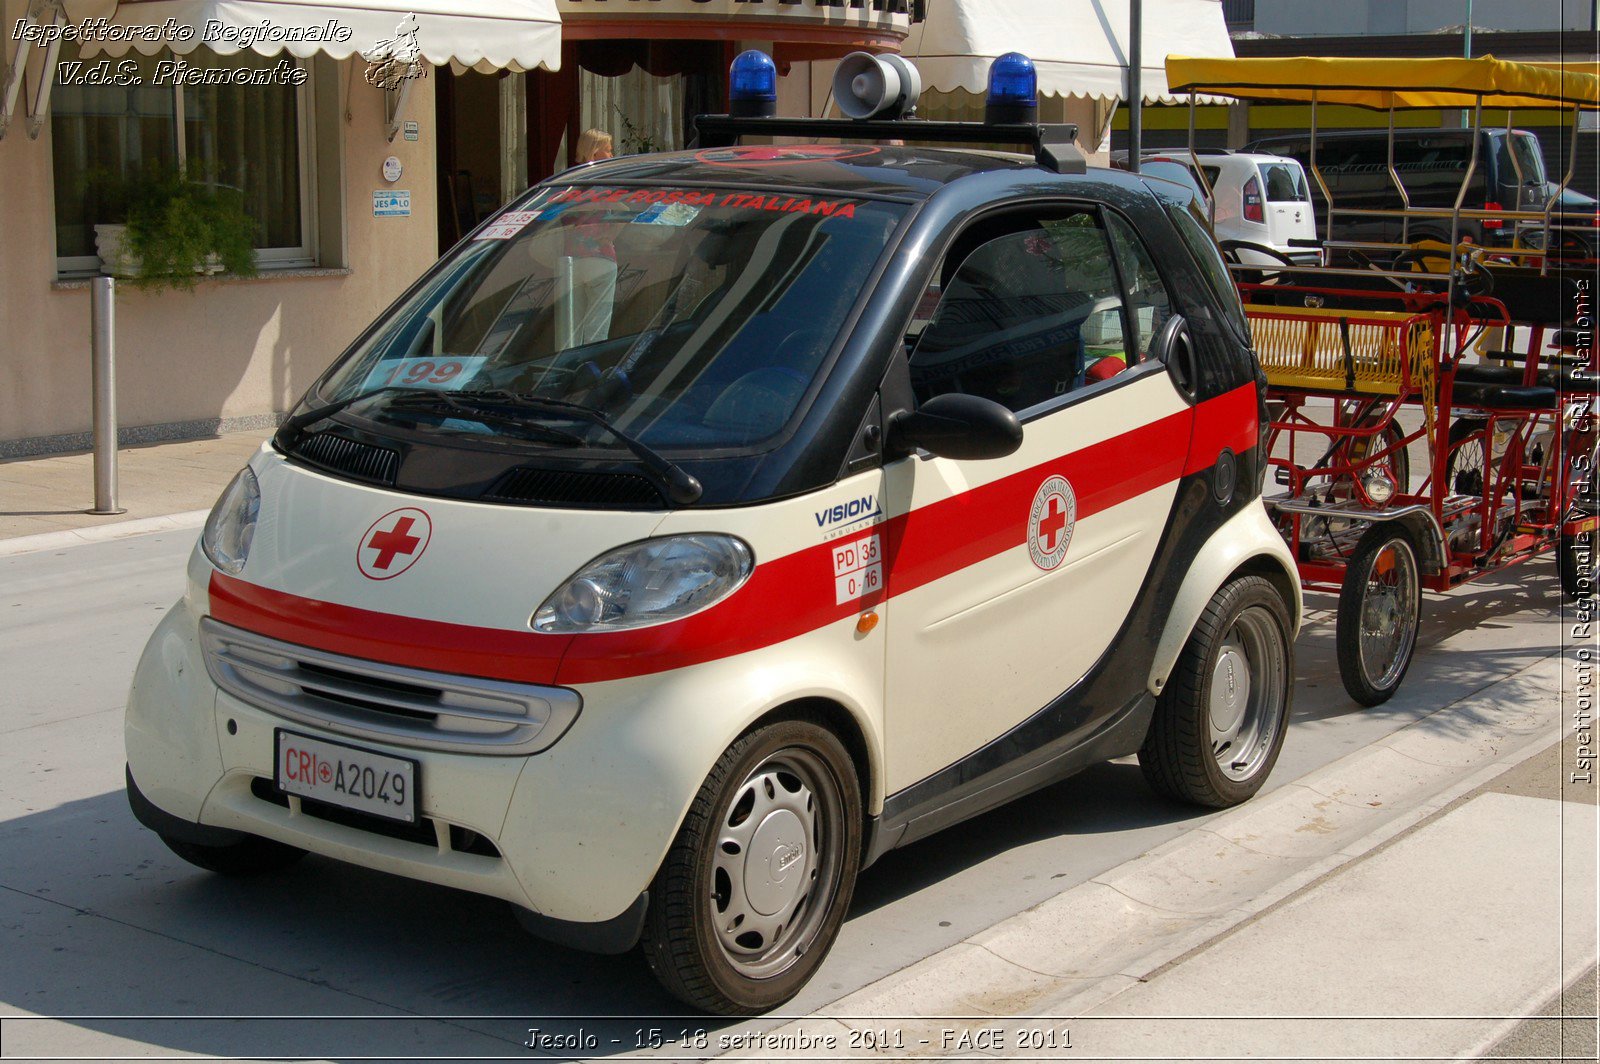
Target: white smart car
[1262, 212]
[709, 524]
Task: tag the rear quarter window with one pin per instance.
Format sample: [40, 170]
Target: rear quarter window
[1206, 256]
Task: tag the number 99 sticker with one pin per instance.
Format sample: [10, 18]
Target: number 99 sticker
[437, 371]
[857, 569]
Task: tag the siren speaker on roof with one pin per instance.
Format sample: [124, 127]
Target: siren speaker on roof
[876, 86]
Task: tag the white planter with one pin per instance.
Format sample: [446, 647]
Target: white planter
[110, 243]
[116, 260]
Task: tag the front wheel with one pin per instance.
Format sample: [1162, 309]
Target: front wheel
[1220, 723]
[1380, 606]
[755, 887]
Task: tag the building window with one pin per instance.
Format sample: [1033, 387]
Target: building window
[252, 137]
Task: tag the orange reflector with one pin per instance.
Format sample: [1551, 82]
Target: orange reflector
[1385, 563]
[867, 622]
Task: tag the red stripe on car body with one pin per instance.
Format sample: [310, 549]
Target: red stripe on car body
[785, 597]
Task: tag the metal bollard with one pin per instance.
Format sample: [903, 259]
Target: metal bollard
[104, 321]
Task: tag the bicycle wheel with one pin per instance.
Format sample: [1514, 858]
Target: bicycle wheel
[1471, 458]
[1380, 607]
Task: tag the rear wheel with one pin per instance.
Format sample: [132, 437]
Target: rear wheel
[1380, 607]
[1471, 460]
[251, 856]
[1220, 723]
[754, 888]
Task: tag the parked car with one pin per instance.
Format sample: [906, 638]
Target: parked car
[1167, 167]
[708, 524]
[1574, 219]
[1431, 164]
[1262, 202]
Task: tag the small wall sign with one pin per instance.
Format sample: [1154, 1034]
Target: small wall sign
[391, 203]
[413, 131]
[392, 168]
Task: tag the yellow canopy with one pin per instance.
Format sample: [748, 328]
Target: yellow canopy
[1384, 83]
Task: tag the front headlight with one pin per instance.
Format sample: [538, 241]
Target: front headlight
[646, 583]
[232, 524]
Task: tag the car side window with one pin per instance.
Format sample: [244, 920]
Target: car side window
[1209, 260]
[1148, 305]
[1031, 312]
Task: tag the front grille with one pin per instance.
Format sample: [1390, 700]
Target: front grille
[422, 833]
[385, 703]
[339, 454]
[597, 491]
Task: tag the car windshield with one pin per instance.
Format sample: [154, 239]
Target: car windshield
[686, 317]
[1528, 159]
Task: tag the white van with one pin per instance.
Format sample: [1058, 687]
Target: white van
[1262, 205]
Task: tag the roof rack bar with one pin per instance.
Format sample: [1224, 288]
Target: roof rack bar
[1051, 144]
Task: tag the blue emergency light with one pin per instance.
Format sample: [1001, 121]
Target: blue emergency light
[753, 86]
[1013, 90]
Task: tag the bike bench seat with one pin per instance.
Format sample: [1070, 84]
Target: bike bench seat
[1503, 397]
[1368, 352]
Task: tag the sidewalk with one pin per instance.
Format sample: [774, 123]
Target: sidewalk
[172, 481]
[1427, 896]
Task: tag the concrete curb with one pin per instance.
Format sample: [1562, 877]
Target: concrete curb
[77, 537]
[1081, 948]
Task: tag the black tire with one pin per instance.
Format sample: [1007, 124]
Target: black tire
[1204, 717]
[254, 856]
[1576, 564]
[753, 800]
[1380, 610]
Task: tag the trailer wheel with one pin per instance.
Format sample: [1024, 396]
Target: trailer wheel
[1380, 606]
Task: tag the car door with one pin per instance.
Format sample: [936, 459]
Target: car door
[1009, 577]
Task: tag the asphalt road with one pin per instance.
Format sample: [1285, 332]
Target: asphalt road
[100, 925]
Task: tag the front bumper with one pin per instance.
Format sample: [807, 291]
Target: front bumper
[200, 769]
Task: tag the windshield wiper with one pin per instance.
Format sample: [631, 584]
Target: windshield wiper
[290, 431]
[460, 404]
[681, 486]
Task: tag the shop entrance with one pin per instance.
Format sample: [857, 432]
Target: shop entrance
[500, 133]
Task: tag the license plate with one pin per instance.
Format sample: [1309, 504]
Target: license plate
[346, 776]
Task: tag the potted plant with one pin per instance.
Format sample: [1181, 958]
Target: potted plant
[175, 228]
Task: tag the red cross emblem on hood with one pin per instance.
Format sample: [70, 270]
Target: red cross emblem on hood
[393, 543]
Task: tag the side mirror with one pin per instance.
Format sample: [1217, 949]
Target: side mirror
[957, 426]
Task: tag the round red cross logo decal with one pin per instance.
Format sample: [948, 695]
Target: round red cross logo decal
[1050, 522]
[782, 154]
[393, 543]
